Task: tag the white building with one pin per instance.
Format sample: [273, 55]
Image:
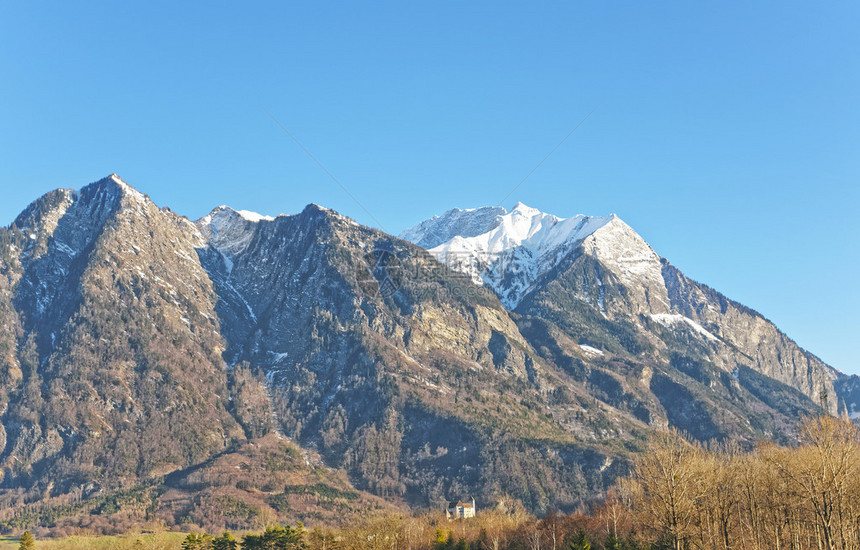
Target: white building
[458, 509]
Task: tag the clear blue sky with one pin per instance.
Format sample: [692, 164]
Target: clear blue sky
[727, 135]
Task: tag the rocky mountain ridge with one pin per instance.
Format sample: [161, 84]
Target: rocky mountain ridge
[137, 347]
[509, 253]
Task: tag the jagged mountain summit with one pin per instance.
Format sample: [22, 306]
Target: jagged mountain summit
[453, 223]
[528, 258]
[138, 346]
[508, 251]
[145, 357]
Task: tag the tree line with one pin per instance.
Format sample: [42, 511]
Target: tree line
[682, 495]
[273, 538]
[679, 496]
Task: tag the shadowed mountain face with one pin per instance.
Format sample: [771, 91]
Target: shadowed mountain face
[137, 347]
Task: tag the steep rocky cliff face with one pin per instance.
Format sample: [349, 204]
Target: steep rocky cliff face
[139, 350]
[138, 346]
[117, 343]
[395, 368]
[597, 282]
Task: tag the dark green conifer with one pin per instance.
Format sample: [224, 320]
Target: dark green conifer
[27, 542]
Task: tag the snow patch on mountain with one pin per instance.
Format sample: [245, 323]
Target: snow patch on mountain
[134, 198]
[622, 248]
[44, 223]
[589, 349]
[672, 320]
[469, 222]
[229, 231]
[253, 216]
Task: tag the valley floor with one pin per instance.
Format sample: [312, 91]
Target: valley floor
[148, 541]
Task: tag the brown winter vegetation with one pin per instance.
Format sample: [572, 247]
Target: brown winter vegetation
[270, 480]
[808, 496]
[679, 496]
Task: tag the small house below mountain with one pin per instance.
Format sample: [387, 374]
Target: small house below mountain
[460, 509]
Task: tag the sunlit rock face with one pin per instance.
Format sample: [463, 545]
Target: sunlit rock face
[521, 353]
[537, 263]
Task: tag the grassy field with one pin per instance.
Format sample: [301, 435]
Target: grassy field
[160, 541]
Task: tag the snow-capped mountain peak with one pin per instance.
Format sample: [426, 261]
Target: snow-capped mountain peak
[253, 216]
[514, 249]
[225, 212]
[127, 190]
[455, 222]
[229, 231]
[524, 210]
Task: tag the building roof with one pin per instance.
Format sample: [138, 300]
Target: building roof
[470, 502]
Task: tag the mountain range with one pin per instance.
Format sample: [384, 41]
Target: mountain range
[238, 367]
